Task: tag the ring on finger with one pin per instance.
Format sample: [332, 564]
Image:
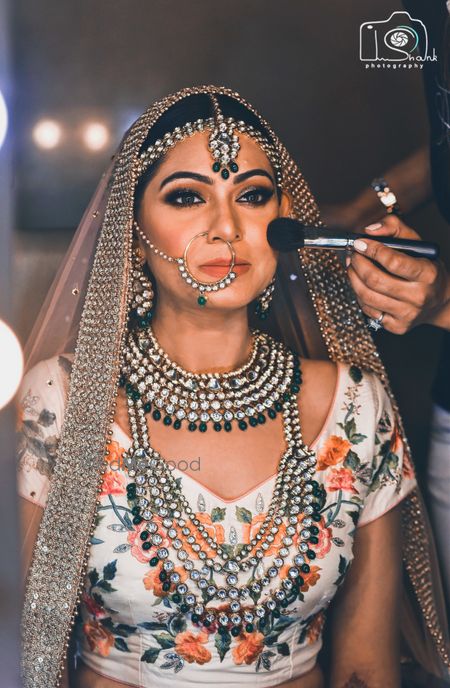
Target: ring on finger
[376, 323]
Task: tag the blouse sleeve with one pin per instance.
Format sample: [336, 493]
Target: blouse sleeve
[39, 419]
[392, 476]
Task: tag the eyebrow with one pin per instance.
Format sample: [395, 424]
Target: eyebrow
[252, 173]
[207, 180]
[186, 175]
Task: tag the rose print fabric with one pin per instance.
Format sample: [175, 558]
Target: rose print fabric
[131, 630]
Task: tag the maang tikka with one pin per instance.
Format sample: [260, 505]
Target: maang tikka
[224, 146]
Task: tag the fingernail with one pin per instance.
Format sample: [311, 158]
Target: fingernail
[360, 245]
[376, 225]
[348, 260]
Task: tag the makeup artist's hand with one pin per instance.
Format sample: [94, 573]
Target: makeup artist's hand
[409, 291]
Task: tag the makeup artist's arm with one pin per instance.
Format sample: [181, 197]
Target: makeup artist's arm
[410, 291]
[410, 180]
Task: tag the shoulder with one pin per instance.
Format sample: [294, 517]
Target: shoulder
[45, 385]
[49, 372]
[319, 379]
[367, 387]
[39, 416]
[325, 381]
[316, 398]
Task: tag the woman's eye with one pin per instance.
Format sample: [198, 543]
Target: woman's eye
[183, 197]
[257, 196]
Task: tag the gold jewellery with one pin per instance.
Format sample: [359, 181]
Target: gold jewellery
[223, 143]
[183, 267]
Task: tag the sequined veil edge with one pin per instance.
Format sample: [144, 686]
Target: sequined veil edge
[334, 321]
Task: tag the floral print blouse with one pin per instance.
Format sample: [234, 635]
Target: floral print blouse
[131, 630]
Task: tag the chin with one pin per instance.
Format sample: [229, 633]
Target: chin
[229, 302]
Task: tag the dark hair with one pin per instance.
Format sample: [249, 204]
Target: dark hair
[196, 106]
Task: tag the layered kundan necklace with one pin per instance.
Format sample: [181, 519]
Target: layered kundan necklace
[242, 397]
[268, 383]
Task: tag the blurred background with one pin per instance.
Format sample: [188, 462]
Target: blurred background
[79, 73]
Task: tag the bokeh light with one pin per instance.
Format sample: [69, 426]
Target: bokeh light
[3, 119]
[47, 134]
[11, 364]
[95, 136]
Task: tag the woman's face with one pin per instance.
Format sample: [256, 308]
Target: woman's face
[185, 197]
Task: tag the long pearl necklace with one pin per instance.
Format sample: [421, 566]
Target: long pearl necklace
[160, 503]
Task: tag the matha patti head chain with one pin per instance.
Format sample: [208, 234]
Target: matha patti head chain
[224, 146]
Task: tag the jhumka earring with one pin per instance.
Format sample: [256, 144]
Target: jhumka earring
[264, 300]
[142, 293]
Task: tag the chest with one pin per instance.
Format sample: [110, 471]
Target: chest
[124, 594]
[133, 609]
[228, 464]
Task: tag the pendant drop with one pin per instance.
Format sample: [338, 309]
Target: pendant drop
[259, 503]
[201, 504]
[233, 536]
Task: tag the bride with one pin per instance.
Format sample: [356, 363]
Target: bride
[212, 466]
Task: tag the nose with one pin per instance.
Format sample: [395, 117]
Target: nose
[224, 224]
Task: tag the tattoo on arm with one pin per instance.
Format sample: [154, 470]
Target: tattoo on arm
[355, 682]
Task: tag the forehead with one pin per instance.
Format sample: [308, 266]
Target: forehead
[193, 153]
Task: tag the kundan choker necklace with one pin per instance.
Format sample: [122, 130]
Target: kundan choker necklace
[240, 398]
[171, 531]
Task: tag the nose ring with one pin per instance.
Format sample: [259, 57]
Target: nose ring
[195, 283]
[185, 272]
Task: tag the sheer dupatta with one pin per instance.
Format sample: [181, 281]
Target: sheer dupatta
[86, 313]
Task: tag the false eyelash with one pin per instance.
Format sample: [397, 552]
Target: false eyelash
[173, 195]
[262, 190]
